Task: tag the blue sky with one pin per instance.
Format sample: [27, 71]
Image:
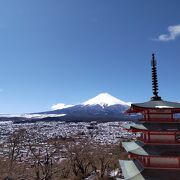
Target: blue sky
[67, 51]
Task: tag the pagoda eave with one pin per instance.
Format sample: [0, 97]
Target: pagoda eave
[139, 148]
[133, 170]
[153, 127]
[137, 109]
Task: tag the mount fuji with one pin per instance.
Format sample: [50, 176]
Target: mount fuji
[103, 107]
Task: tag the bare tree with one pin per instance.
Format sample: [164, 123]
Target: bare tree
[101, 161]
[79, 155]
[64, 169]
[14, 147]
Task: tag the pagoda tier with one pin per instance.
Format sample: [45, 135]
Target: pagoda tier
[133, 170]
[163, 133]
[156, 156]
[151, 126]
[156, 111]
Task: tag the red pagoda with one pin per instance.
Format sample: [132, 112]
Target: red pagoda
[156, 155]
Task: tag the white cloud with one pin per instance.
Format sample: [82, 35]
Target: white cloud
[174, 32]
[60, 106]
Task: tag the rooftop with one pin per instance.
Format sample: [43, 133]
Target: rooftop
[142, 149]
[154, 126]
[131, 170]
[157, 104]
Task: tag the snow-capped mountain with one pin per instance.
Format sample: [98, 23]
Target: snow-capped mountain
[103, 107]
[105, 99]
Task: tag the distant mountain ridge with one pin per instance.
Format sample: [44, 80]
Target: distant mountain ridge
[103, 107]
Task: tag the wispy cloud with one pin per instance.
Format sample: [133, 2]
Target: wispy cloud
[173, 33]
[60, 106]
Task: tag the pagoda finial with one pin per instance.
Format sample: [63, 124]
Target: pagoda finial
[154, 80]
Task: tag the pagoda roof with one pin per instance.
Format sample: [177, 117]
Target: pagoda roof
[132, 170]
[154, 126]
[158, 104]
[135, 148]
[135, 126]
[139, 148]
[154, 104]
